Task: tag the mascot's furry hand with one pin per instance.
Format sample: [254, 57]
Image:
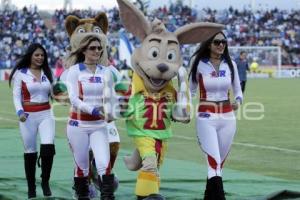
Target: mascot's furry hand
[60, 93]
[182, 109]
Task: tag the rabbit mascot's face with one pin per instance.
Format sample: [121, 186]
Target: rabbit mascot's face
[158, 59]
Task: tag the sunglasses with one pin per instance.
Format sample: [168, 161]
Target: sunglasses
[93, 48]
[218, 42]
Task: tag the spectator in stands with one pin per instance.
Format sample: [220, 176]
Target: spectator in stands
[215, 73]
[243, 67]
[2, 62]
[32, 79]
[263, 28]
[59, 68]
[124, 65]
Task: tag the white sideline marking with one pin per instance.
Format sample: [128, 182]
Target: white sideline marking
[7, 113]
[184, 137]
[190, 138]
[249, 145]
[267, 147]
[11, 120]
[240, 144]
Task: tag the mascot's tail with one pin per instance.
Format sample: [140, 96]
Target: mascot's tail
[133, 162]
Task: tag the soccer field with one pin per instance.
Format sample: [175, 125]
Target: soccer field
[266, 144]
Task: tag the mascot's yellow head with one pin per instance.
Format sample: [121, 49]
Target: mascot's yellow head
[80, 28]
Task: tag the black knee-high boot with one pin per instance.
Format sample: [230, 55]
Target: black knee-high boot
[209, 190]
[218, 191]
[47, 153]
[30, 164]
[107, 187]
[82, 187]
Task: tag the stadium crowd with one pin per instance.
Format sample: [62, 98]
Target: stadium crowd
[243, 27]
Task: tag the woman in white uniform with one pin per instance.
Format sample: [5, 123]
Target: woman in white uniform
[32, 79]
[87, 82]
[215, 74]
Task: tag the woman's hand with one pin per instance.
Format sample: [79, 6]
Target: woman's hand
[235, 105]
[98, 112]
[22, 117]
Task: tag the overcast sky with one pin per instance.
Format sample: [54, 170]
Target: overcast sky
[217, 4]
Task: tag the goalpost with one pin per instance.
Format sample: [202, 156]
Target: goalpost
[268, 59]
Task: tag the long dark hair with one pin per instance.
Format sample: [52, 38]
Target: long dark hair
[203, 52]
[25, 61]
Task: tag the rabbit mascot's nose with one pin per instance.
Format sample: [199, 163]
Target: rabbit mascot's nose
[162, 67]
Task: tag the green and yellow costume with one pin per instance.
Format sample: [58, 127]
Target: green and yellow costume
[148, 121]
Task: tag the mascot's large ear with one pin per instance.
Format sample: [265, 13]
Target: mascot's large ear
[133, 19]
[197, 32]
[102, 21]
[71, 23]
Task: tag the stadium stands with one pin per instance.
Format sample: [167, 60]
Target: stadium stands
[243, 27]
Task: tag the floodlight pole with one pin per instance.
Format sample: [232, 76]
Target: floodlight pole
[279, 61]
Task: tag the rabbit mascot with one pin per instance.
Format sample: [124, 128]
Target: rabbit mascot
[153, 102]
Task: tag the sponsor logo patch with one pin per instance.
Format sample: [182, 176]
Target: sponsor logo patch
[222, 73]
[73, 123]
[204, 115]
[113, 131]
[95, 79]
[44, 79]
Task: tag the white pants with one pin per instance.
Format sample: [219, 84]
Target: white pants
[215, 133]
[82, 138]
[41, 122]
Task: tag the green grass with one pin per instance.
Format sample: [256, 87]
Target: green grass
[269, 146]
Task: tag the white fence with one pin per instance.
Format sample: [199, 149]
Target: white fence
[4, 74]
[284, 72]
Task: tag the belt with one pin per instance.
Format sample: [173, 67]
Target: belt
[215, 106]
[37, 107]
[214, 102]
[84, 116]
